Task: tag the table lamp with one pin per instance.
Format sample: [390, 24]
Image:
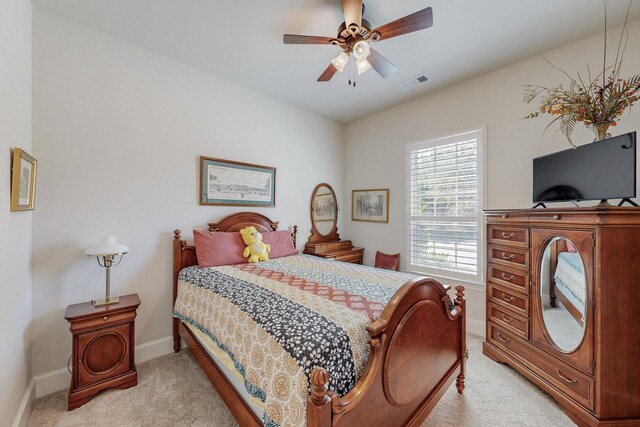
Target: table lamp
[109, 254]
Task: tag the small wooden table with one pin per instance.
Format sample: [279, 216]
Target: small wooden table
[103, 350]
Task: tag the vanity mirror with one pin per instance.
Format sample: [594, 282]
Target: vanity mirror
[324, 214]
[563, 288]
[324, 240]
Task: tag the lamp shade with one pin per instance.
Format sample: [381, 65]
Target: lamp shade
[340, 61]
[107, 246]
[363, 65]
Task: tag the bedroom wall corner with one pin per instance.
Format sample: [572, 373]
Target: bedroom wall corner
[15, 227]
[119, 131]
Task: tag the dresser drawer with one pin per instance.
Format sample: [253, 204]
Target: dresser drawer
[514, 323]
[511, 236]
[104, 318]
[509, 278]
[513, 257]
[501, 297]
[574, 384]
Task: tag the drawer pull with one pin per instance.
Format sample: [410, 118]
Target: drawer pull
[509, 278]
[501, 338]
[507, 299]
[507, 257]
[507, 319]
[508, 236]
[573, 381]
[105, 318]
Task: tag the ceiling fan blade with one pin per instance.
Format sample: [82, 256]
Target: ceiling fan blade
[299, 39]
[328, 73]
[415, 22]
[352, 10]
[381, 64]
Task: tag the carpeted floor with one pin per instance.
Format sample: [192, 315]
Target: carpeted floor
[173, 391]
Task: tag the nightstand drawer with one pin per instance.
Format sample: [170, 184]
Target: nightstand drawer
[102, 319]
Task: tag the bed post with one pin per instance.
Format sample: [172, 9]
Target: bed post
[318, 403]
[461, 304]
[294, 235]
[177, 265]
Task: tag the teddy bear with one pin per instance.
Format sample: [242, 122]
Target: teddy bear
[255, 250]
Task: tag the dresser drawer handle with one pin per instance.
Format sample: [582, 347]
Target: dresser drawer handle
[503, 339]
[105, 318]
[573, 381]
[507, 299]
[507, 319]
[508, 236]
[509, 278]
[507, 257]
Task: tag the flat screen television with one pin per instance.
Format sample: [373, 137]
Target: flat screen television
[596, 171]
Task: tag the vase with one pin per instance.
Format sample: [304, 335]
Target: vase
[600, 130]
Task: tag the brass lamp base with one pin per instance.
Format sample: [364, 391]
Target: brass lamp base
[106, 301]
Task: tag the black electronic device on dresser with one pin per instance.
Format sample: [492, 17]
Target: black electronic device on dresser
[598, 171]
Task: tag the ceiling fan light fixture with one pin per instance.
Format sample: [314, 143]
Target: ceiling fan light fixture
[361, 50]
[363, 65]
[340, 61]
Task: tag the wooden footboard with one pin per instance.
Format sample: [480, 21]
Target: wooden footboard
[418, 347]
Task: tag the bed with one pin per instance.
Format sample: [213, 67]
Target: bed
[413, 347]
[568, 279]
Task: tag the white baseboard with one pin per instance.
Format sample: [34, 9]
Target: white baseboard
[57, 380]
[476, 327]
[24, 410]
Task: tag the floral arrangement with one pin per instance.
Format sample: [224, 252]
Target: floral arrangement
[597, 102]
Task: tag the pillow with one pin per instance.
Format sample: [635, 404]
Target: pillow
[281, 243]
[218, 248]
[571, 247]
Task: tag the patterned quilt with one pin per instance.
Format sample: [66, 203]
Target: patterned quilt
[279, 319]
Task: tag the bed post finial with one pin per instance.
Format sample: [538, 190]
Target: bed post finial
[176, 234]
[319, 402]
[460, 304]
[294, 235]
[319, 388]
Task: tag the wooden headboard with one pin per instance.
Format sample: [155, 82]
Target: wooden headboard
[184, 255]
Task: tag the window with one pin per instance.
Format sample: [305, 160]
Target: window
[445, 191]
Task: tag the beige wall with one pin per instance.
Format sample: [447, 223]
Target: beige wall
[15, 227]
[375, 146]
[119, 130]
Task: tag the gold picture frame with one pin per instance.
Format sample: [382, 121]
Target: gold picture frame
[23, 181]
[370, 205]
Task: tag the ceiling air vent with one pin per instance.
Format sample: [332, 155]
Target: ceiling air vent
[414, 82]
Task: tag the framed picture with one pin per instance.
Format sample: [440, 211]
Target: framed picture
[324, 207]
[370, 205]
[229, 183]
[23, 181]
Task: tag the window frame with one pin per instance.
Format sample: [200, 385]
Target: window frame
[480, 134]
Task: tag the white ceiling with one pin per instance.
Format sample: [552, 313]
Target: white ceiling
[241, 41]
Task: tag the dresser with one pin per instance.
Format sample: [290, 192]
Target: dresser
[103, 349]
[342, 250]
[563, 306]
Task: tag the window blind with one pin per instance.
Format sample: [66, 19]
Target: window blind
[444, 203]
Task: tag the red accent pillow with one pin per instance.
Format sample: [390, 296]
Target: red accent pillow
[219, 248]
[281, 243]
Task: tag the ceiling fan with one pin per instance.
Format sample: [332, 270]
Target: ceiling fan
[355, 36]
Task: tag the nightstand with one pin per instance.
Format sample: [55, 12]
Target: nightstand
[103, 350]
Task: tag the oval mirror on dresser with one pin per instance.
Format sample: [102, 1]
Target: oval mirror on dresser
[563, 291]
[324, 210]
